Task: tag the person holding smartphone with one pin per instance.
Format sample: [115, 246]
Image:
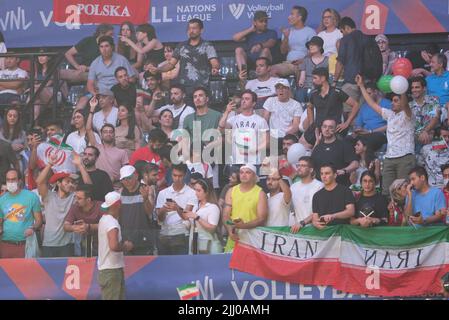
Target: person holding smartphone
[334, 204]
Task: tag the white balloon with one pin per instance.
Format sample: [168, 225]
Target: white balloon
[295, 152]
[399, 85]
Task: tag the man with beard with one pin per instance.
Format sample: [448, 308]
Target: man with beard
[326, 102]
[285, 168]
[178, 107]
[111, 158]
[100, 179]
[195, 55]
[302, 193]
[279, 200]
[124, 91]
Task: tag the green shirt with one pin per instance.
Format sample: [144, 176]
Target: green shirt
[207, 121]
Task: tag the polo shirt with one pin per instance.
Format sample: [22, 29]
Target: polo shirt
[329, 106]
[439, 86]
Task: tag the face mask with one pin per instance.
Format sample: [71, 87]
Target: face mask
[445, 181]
[12, 187]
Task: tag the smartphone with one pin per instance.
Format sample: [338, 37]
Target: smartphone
[169, 200]
[229, 222]
[244, 67]
[237, 220]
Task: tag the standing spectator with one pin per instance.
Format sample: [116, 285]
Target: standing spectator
[198, 59]
[399, 158]
[329, 149]
[285, 168]
[2, 50]
[128, 31]
[282, 112]
[172, 205]
[367, 162]
[169, 77]
[428, 201]
[397, 193]
[78, 139]
[259, 41]
[83, 218]
[206, 218]
[435, 155]
[388, 56]
[111, 158]
[349, 60]
[14, 85]
[264, 83]
[124, 91]
[438, 80]
[108, 112]
[370, 207]
[426, 110]
[127, 135]
[330, 34]
[100, 179]
[177, 106]
[87, 50]
[245, 205]
[294, 42]
[303, 192]
[21, 216]
[233, 180]
[334, 204]
[279, 200]
[136, 213]
[13, 133]
[314, 60]
[111, 262]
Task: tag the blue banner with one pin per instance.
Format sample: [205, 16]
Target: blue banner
[27, 23]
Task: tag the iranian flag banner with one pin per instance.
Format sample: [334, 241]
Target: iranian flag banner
[380, 261]
[63, 152]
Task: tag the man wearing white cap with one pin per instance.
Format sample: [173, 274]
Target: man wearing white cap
[136, 212]
[245, 205]
[111, 276]
[282, 112]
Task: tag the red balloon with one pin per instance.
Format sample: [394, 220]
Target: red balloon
[402, 67]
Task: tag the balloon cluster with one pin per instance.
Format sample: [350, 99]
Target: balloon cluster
[402, 69]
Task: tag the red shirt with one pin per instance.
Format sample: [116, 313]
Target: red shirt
[147, 155]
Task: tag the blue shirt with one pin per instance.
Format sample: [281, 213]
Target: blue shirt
[254, 38]
[369, 119]
[297, 42]
[17, 213]
[439, 86]
[428, 203]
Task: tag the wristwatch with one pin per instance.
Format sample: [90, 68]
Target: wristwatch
[302, 223]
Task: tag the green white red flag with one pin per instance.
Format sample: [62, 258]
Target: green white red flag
[63, 154]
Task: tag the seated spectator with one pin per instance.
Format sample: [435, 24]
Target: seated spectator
[259, 41]
[166, 123]
[388, 56]
[437, 81]
[81, 55]
[128, 31]
[303, 192]
[83, 218]
[330, 34]
[172, 205]
[124, 91]
[329, 149]
[294, 43]
[435, 155]
[367, 162]
[425, 205]
[369, 124]
[245, 205]
[315, 59]
[11, 89]
[127, 135]
[282, 112]
[445, 188]
[326, 102]
[108, 112]
[13, 133]
[397, 193]
[78, 139]
[426, 110]
[421, 59]
[263, 85]
[169, 77]
[177, 106]
[279, 200]
[205, 217]
[370, 207]
[334, 203]
[100, 178]
[399, 158]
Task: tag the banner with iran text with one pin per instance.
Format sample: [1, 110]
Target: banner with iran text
[381, 261]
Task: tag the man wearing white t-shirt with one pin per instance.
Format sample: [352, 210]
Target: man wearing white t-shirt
[178, 107]
[279, 200]
[282, 112]
[111, 262]
[302, 194]
[10, 90]
[249, 131]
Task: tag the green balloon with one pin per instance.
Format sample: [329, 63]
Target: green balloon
[384, 84]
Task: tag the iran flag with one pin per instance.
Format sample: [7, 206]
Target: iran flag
[63, 152]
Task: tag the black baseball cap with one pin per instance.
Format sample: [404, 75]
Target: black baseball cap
[259, 15]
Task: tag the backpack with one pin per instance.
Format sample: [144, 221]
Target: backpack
[372, 64]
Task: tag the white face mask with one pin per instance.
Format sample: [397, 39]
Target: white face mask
[445, 181]
[12, 187]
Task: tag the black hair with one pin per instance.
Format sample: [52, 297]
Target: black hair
[164, 152]
[369, 153]
[107, 125]
[178, 86]
[419, 171]
[195, 20]
[302, 12]
[102, 29]
[252, 93]
[87, 189]
[347, 22]
[147, 74]
[290, 137]
[321, 72]
[2, 38]
[432, 48]
[107, 39]
[206, 92]
[442, 59]
[131, 122]
[148, 29]
[421, 80]
[119, 69]
[97, 152]
[444, 167]
[19, 175]
[267, 61]
[329, 165]
[180, 167]
[371, 85]
[157, 135]
[370, 174]
[53, 123]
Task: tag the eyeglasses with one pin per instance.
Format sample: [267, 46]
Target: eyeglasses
[327, 17]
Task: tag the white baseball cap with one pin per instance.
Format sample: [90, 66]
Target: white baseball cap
[110, 199]
[250, 167]
[126, 171]
[283, 82]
